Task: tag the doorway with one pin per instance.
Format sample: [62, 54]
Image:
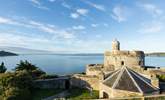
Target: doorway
[105, 95]
[67, 84]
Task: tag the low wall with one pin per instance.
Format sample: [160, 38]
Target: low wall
[84, 81]
[56, 83]
[162, 87]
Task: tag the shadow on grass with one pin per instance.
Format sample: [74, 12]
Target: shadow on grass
[39, 94]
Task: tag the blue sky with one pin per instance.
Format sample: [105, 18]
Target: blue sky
[83, 25]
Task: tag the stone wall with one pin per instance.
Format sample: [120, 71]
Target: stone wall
[93, 69]
[85, 81]
[119, 61]
[114, 93]
[55, 83]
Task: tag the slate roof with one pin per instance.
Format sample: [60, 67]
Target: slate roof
[129, 80]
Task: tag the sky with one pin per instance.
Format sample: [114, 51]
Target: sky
[83, 25]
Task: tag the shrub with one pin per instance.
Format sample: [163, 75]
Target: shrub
[16, 86]
[34, 71]
[161, 78]
[48, 76]
[2, 68]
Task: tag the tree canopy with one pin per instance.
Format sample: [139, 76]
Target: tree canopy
[34, 71]
[2, 68]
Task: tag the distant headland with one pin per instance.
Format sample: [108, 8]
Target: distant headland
[156, 54]
[5, 53]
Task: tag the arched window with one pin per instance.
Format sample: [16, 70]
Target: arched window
[105, 95]
[122, 63]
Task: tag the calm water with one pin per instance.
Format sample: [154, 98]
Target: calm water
[66, 64]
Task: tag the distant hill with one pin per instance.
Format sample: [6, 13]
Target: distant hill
[20, 50]
[157, 54]
[5, 53]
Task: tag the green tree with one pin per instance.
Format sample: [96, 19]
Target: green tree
[34, 71]
[25, 65]
[2, 68]
[16, 86]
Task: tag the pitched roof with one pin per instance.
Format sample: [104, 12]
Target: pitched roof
[129, 80]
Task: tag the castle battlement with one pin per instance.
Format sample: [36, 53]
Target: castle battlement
[124, 53]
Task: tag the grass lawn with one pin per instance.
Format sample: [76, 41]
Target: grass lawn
[1, 97]
[79, 94]
[39, 94]
[156, 98]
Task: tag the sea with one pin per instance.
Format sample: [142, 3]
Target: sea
[63, 64]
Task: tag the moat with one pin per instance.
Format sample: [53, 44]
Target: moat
[70, 63]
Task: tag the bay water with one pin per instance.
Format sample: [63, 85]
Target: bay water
[67, 64]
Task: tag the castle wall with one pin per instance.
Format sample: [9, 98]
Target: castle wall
[120, 60]
[56, 83]
[85, 81]
[113, 93]
[93, 69]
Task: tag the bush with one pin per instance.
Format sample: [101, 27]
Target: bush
[14, 93]
[2, 68]
[48, 76]
[34, 71]
[161, 78]
[16, 86]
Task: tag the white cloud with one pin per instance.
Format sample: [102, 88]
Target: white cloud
[98, 36]
[78, 13]
[94, 25]
[82, 11]
[105, 24]
[152, 9]
[154, 27]
[37, 4]
[119, 13]
[79, 27]
[5, 20]
[74, 15]
[51, 0]
[51, 29]
[17, 40]
[64, 4]
[96, 6]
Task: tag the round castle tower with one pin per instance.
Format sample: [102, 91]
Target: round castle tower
[115, 45]
[116, 58]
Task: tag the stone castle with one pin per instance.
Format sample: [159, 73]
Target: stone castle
[116, 59]
[123, 74]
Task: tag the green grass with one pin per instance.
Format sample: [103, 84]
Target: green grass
[156, 98]
[1, 97]
[39, 94]
[79, 94]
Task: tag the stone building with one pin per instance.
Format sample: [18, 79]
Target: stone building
[123, 74]
[117, 58]
[125, 82]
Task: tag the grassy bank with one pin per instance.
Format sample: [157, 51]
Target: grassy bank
[39, 94]
[80, 94]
